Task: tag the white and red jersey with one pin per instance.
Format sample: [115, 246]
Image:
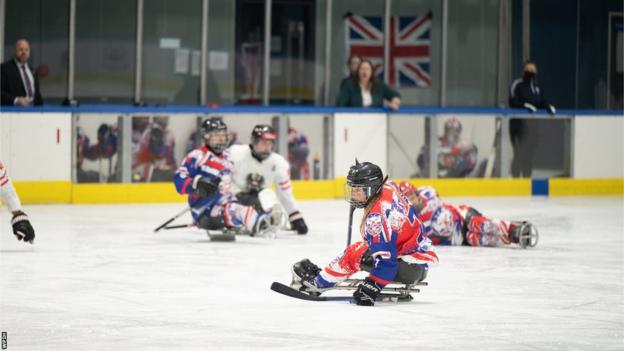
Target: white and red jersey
[7, 190]
[273, 170]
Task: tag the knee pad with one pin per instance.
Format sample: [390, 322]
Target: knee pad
[211, 223]
[410, 273]
[367, 262]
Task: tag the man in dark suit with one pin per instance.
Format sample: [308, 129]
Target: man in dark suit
[20, 84]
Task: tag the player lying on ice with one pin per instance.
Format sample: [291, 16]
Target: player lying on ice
[394, 249]
[205, 176]
[448, 224]
[256, 167]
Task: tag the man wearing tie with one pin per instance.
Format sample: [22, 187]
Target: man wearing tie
[20, 84]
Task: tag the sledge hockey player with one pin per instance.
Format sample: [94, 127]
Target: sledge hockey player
[22, 229]
[448, 224]
[456, 158]
[256, 167]
[394, 249]
[205, 176]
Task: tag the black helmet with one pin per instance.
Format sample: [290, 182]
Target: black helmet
[210, 126]
[262, 132]
[365, 176]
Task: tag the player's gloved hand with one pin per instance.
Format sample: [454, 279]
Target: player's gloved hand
[297, 223]
[530, 107]
[22, 228]
[367, 292]
[551, 109]
[205, 186]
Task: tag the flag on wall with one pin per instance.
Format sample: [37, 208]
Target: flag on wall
[409, 46]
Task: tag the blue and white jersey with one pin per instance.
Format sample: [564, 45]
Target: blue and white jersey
[203, 162]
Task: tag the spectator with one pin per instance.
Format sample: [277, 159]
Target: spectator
[298, 151]
[524, 133]
[20, 83]
[154, 161]
[352, 65]
[367, 91]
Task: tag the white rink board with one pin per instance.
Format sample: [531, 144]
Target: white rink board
[598, 147]
[36, 146]
[98, 278]
[361, 135]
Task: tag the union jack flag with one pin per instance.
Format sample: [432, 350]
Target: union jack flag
[409, 46]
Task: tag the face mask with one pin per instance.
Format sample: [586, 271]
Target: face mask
[528, 75]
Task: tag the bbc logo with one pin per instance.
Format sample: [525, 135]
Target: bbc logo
[4, 340]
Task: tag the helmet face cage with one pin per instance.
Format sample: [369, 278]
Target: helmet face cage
[364, 182]
[263, 132]
[357, 195]
[452, 129]
[211, 128]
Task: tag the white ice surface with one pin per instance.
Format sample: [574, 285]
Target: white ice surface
[98, 278]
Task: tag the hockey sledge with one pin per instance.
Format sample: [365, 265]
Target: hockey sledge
[393, 292]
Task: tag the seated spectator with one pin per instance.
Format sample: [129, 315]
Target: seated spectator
[20, 83]
[367, 91]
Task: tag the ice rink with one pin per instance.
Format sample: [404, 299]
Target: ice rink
[98, 278]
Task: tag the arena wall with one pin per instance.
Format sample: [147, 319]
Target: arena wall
[37, 149]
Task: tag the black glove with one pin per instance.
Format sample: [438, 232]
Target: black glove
[367, 292]
[297, 223]
[22, 228]
[205, 186]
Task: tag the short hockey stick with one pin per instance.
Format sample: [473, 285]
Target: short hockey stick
[172, 219]
[351, 210]
[179, 226]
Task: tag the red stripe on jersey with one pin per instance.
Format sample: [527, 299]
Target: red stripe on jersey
[214, 165]
[382, 282]
[4, 182]
[186, 184]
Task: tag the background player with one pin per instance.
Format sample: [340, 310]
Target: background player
[394, 246]
[456, 158]
[448, 224]
[256, 167]
[205, 175]
[22, 229]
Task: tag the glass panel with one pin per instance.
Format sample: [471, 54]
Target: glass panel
[464, 145]
[593, 54]
[171, 51]
[155, 156]
[415, 51]
[105, 50]
[220, 83]
[306, 146]
[293, 30]
[406, 151]
[44, 24]
[98, 145]
[472, 52]
[374, 10]
[541, 147]
[249, 51]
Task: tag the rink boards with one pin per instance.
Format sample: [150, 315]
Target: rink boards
[66, 192]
